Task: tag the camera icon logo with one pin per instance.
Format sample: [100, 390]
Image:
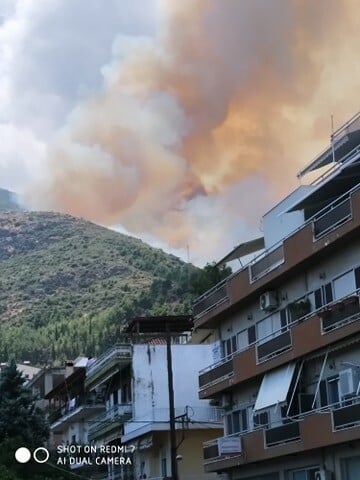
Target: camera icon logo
[40, 455]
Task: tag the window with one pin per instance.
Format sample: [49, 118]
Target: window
[242, 340]
[303, 474]
[333, 390]
[115, 398]
[337, 388]
[261, 420]
[344, 285]
[229, 346]
[323, 295]
[350, 468]
[237, 421]
[269, 328]
[163, 467]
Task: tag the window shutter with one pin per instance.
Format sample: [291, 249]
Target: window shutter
[323, 394]
[318, 298]
[252, 334]
[328, 293]
[357, 277]
[244, 420]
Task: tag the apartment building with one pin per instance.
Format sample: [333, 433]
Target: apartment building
[287, 324]
[133, 376]
[71, 409]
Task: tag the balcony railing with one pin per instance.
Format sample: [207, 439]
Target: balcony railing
[223, 446]
[333, 218]
[73, 406]
[347, 417]
[288, 432]
[334, 315]
[110, 419]
[216, 373]
[324, 221]
[116, 355]
[273, 346]
[267, 263]
[210, 299]
[187, 415]
[340, 313]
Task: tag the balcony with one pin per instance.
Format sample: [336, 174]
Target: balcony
[346, 417]
[339, 313]
[213, 298]
[110, 420]
[74, 411]
[314, 331]
[266, 263]
[216, 373]
[158, 419]
[333, 218]
[282, 434]
[274, 346]
[316, 430]
[107, 365]
[321, 233]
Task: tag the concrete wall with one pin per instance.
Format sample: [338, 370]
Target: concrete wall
[150, 380]
[191, 450]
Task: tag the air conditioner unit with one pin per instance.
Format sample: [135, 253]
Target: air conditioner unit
[269, 301]
[349, 381]
[323, 475]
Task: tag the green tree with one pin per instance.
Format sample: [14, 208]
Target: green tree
[208, 277]
[19, 416]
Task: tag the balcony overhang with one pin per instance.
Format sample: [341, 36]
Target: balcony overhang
[341, 181]
[242, 250]
[343, 141]
[83, 412]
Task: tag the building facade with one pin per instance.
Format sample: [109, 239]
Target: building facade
[287, 323]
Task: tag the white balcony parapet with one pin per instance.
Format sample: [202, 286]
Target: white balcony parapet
[117, 413]
[192, 417]
[117, 351]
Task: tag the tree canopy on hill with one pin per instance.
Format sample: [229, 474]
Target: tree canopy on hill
[67, 285]
[208, 277]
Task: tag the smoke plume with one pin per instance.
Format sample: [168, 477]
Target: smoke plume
[226, 91]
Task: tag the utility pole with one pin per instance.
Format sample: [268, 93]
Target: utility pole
[173, 449]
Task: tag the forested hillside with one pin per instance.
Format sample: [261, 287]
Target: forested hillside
[66, 285]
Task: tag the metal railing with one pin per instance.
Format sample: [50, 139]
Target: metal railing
[186, 415]
[271, 257]
[72, 406]
[333, 218]
[280, 340]
[117, 351]
[113, 416]
[267, 263]
[211, 299]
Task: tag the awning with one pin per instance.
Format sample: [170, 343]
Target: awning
[336, 184]
[344, 140]
[243, 249]
[275, 387]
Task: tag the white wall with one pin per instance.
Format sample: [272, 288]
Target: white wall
[150, 384]
[276, 224]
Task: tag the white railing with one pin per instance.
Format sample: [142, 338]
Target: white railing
[117, 351]
[186, 415]
[115, 413]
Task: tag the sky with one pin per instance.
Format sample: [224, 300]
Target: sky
[178, 122]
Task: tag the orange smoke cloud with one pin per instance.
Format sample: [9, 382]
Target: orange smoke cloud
[226, 90]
